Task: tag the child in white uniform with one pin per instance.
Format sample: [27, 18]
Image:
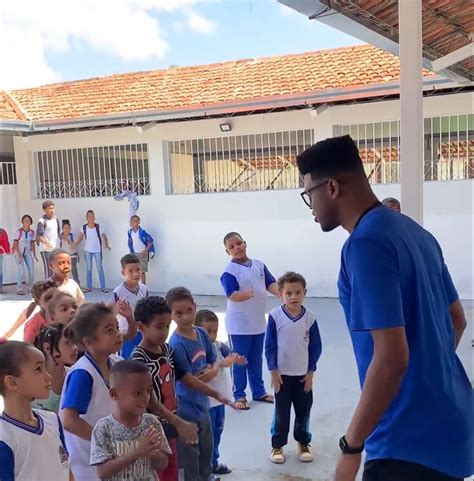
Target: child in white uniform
[85, 397]
[32, 444]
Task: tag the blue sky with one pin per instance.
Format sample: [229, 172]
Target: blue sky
[77, 42]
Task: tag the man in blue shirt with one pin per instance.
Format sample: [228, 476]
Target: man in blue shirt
[414, 417]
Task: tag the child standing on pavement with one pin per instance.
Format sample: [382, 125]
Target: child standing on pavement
[246, 283]
[292, 349]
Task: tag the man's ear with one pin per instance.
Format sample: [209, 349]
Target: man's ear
[334, 188]
[10, 382]
[113, 394]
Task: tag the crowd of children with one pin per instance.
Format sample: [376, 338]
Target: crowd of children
[157, 410]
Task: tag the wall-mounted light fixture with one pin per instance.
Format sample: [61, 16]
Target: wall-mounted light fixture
[226, 127]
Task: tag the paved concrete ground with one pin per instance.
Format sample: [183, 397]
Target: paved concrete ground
[246, 441]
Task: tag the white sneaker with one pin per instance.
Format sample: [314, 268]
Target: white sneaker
[277, 456]
[304, 453]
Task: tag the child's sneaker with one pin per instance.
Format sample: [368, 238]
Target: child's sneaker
[304, 453]
[277, 456]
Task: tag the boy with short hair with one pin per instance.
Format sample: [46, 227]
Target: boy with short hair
[60, 264]
[47, 234]
[209, 321]
[193, 351]
[141, 243]
[153, 317]
[130, 291]
[246, 283]
[129, 443]
[292, 349]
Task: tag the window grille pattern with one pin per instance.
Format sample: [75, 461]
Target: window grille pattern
[240, 163]
[91, 171]
[7, 173]
[448, 148]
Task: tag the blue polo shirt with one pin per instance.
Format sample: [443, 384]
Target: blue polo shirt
[193, 356]
[393, 274]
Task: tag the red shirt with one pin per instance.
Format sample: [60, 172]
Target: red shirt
[33, 327]
[4, 243]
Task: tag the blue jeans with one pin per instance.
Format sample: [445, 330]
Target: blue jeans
[98, 262]
[250, 346]
[217, 414]
[27, 260]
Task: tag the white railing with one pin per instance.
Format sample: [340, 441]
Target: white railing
[91, 171]
[239, 163]
[8, 173]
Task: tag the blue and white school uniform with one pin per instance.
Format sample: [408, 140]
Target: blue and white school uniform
[30, 453]
[132, 297]
[245, 322]
[86, 391]
[293, 347]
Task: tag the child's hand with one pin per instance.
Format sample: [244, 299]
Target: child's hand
[149, 444]
[232, 359]
[277, 381]
[308, 381]
[124, 309]
[209, 373]
[249, 293]
[187, 431]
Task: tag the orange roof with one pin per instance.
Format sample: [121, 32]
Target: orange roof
[209, 85]
[8, 109]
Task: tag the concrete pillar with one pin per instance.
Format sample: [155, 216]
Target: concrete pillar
[411, 105]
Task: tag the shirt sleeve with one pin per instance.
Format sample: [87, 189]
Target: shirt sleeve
[181, 359]
[229, 283]
[179, 371]
[315, 346]
[376, 297]
[101, 451]
[78, 392]
[7, 462]
[271, 345]
[61, 434]
[451, 291]
[33, 235]
[269, 279]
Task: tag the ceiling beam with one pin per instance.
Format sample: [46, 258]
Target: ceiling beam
[454, 57]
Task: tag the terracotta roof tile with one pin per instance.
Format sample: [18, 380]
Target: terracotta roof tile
[205, 85]
[9, 110]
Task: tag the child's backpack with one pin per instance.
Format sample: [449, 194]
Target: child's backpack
[97, 228]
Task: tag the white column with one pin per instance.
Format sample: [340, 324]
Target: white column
[411, 104]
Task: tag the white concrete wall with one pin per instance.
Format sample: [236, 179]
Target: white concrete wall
[276, 224]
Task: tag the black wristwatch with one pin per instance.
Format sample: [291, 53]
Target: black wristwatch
[346, 449]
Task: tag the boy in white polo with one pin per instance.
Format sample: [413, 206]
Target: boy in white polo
[292, 349]
[246, 283]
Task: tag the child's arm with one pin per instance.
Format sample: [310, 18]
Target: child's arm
[79, 239]
[75, 401]
[270, 283]
[105, 240]
[232, 289]
[25, 314]
[271, 353]
[125, 310]
[211, 358]
[315, 349]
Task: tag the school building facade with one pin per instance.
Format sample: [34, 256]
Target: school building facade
[212, 149]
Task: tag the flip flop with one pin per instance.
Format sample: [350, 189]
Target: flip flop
[268, 398]
[221, 469]
[242, 404]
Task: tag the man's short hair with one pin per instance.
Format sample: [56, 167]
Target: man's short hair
[129, 259]
[390, 200]
[47, 203]
[135, 216]
[55, 253]
[124, 368]
[331, 157]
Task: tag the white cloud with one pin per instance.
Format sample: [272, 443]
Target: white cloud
[200, 24]
[127, 29]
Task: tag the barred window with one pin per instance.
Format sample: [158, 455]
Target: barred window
[7, 173]
[91, 171]
[448, 148]
[237, 163]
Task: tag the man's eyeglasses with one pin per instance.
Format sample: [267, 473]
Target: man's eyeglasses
[306, 195]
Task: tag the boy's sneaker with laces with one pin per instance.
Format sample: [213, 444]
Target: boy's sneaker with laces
[304, 453]
[277, 456]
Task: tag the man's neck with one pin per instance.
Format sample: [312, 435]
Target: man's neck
[294, 311]
[19, 408]
[356, 209]
[101, 359]
[243, 260]
[136, 230]
[59, 280]
[188, 332]
[91, 224]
